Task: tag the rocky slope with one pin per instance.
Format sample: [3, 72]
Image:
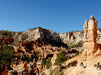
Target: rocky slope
[37, 33]
[78, 70]
[47, 36]
[68, 38]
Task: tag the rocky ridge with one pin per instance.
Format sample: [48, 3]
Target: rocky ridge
[68, 38]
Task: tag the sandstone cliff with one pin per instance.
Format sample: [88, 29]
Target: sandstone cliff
[68, 38]
[37, 33]
[50, 37]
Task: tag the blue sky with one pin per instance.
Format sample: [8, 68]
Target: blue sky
[57, 15]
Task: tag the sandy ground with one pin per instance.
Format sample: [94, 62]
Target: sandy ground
[78, 70]
[89, 70]
[82, 71]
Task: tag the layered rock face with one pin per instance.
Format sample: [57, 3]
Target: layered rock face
[37, 33]
[49, 36]
[71, 38]
[44, 35]
[90, 33]
[90, 36]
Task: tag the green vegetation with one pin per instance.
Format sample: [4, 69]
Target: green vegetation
[6, 33]
[79, 44]
[60, 58]
[48, 63]
[44, 62]
[51, 73]
[6, 52]
[26, 58]
[76, 54]
[35, 56]
[56, 71]
[61, 73]
[6, 55]
[43, 73]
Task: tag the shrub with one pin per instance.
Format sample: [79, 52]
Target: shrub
[6, 55]
[48, 63]
[61, 73]
[6, 33]
[56, 71]
[26, 58]
[43, 73]
[51, 73]
[60, 58]
[79, 44]
[76, 54]
[44, 62]
[35, 56]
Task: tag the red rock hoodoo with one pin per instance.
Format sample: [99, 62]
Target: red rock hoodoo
[90, 34]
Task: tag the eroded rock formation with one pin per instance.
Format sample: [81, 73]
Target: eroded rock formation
[90, 36]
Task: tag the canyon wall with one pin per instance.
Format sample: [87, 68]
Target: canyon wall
[68, 38]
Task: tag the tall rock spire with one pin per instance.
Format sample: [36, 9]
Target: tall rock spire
[90, 30]
[90, 34]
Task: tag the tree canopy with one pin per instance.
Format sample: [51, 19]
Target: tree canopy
[6, 55]
[6, 33]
